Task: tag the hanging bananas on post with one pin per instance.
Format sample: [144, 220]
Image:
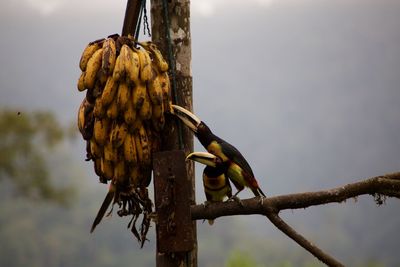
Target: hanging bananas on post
[127, 94]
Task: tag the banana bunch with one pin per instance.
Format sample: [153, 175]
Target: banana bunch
[127, 94]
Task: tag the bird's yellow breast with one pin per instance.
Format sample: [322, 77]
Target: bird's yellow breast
[215, 149]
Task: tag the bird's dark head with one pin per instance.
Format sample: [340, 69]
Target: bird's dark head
[199, 128]
[187, 117]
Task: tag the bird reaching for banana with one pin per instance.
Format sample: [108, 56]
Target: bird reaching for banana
[216, 184]
[238, 169]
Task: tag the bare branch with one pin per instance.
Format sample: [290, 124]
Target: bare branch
[290, 232]
[386, 185]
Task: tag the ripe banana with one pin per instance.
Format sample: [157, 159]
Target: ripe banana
[130, 149]
[128, 91]
[101, 78]
[110, 89]
[99, 111]
[110, 153]
[145, 65]
[109, 56]
[154, 89]
[100, 131]
[136, 125]
[81, 85]
[160, 62]
[123, 96]
[132, 66]
[139, 95]
[145, 112]
[81, 115]
[87, 54]
[158, 118]
[154, 139]
[133, 174]
[119, 68]
[95, 149]
[144, 145]
[120, 175]
[90, 96]
[97, 167]
[118, 134]
[112, 110]
[92, 68]
[86, 119]
[107, 168]
[130, 114]
[166, 91]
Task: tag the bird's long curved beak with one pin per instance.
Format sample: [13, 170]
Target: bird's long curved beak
[187, 117]
[203, 158]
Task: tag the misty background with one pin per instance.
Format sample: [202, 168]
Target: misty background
[307, 90]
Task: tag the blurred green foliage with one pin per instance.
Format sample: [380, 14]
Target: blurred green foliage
[26, 140]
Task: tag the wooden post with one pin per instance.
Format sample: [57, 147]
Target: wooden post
[178, 22]
[131, 17]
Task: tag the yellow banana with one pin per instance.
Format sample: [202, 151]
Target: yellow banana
[130, 113]
[120, 174]
[107, 168]
[97, 167]
[109, 56]
[100, 131]
[132, 66]
[99, 111]
[130, 149]
[160, 62]
[145, 64]
[101, 78]
[87, 54]
[86, 119]
[110, 89]
[92, 68]
[145, 112]
[138, 95]
[133, 173]
[154, 89]
[81, 116]
[154, 139]
[112, 110]
[136, 125]
[139, 149]
[81, 85]
[110, 153]
[166, 91]
[95, 149]
[145, 146]
[158, 118]
[118, 134]
[119, 68]
[123, 96]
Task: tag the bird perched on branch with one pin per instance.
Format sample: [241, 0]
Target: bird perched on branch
[237, 168]
[216, 184]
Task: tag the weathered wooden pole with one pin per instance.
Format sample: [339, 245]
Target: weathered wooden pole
[176, 240]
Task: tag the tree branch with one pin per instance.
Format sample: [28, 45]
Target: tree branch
[379, 187]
